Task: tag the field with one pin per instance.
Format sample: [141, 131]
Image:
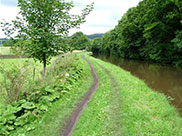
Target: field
[5, 51]
[30, 69]
[12, 65]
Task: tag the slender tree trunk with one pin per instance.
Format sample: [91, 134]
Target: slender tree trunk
[45, 63]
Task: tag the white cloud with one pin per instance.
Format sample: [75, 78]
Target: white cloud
[105, 13]
[103, 18]
[8, 14]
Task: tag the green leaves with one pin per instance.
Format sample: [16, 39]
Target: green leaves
[45, 24]
[79, 41]
[28, 105]
[150, 31]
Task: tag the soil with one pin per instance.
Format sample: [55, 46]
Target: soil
[72, 121]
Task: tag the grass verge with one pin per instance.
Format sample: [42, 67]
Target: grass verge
[144, 112]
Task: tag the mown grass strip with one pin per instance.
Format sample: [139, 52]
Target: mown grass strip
[144, 111]
[99, 116]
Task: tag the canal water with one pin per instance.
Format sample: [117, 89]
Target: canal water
[164, 79]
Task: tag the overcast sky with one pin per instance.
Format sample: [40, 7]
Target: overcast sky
[103, 18]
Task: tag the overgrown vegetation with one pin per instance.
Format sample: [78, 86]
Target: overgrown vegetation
[30, 107]
[150, 31]
[52, 123]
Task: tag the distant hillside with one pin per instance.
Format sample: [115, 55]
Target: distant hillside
[93, 36]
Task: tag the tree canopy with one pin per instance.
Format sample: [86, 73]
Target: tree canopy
[151, 31]
[79, 41]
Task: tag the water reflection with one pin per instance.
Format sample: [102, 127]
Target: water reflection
[164, 79]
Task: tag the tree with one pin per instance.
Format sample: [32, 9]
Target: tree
[79, 41]
[151, 31]
[46, 24]
[8, 43]
[96, 45]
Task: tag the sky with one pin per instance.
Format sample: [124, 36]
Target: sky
[103, 18]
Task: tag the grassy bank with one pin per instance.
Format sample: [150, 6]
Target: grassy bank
[142, 110]
[122, 105]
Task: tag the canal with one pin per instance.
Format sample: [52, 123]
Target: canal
[164, 79]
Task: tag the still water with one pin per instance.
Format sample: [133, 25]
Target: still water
[164, 79]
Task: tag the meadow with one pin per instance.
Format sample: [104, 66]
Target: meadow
[5, 51]
[15, 70]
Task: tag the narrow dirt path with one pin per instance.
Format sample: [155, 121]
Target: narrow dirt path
[71, 122]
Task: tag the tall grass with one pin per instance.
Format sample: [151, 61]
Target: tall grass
[18, 78]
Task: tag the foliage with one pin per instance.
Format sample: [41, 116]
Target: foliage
[178, 40]
[79, 41]
[45, 24]
[150, 31]
[9, 43]
[18, 47]
[38, 101]
[96, 45]
[2, 41]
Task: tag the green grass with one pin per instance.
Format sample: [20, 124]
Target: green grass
[100, 118]
[9, 64]
[52, 122]
[143, 111]
[5, 51]
[122, 105]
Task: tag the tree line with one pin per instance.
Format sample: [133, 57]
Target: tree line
[151, 31]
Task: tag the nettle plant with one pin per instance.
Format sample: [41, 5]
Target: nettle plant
[45, 23]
